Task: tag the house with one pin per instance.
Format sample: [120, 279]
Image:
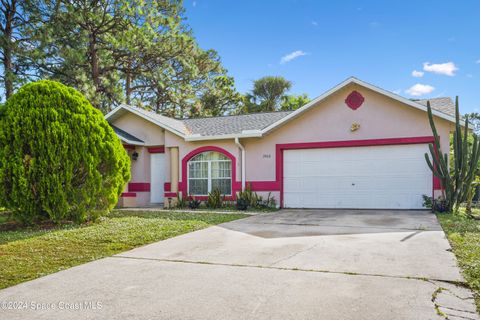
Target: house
[355, 146]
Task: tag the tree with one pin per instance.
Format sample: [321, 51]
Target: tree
[219, 98]
[114, 51]
[135, 51]
[16, 19]
[293, 102]
[457, 180]
[270, 94]
[60, 158]
[78, 51]
[474, 119]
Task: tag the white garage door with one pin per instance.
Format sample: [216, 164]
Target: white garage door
[381, 177]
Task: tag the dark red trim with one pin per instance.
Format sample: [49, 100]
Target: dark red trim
[338, 144]
[356, 143]
[167, 186]
[139, 186]
[159, 149]
[128, 195]
[236, 185]
[129, 147]
[170, 194]
[264, 185]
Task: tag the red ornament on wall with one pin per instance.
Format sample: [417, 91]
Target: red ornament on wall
[354, 100]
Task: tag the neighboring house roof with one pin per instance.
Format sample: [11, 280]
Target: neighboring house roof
[259, 124]
[233, 124]
[127, 137]
[445, 105]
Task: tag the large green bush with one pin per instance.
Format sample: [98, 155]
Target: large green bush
[59, 158]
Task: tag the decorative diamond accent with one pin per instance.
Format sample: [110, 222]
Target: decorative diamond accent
[354, 100]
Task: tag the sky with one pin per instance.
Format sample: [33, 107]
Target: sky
[418, 49]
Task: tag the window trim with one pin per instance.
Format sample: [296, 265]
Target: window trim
[209, 174]
[183, 185]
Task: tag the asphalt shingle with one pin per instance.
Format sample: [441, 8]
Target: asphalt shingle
[232, 124]
[444, 104]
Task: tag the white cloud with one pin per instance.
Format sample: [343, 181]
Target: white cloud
[419, 89]
[469, 75]
[314, 23]
[194, 3]
[417, 74]
[293, 55]
[478, 61]
[447, 68]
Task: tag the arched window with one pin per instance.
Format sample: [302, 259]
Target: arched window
[208, 171]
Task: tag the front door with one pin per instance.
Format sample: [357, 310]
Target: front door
[157, 178]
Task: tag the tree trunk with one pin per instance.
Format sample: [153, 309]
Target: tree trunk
[8, 50]
[128, 81]
[92, 50]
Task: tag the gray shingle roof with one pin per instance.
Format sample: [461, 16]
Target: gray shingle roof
[125, 135]
[232, 124]
[444, 105]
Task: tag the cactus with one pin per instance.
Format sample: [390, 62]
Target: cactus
[457, 181]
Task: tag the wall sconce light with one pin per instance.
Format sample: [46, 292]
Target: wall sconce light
[134, 155]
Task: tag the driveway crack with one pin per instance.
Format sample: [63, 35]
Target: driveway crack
[294, 254]
[285, 268]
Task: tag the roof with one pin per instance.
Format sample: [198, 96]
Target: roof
[127, 137]
[233, 124]
[259, 124]
[445, 104]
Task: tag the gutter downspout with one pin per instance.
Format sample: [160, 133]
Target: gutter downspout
[237, 142]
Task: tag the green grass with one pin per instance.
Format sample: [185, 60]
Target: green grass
[464, 236]
[29, 253]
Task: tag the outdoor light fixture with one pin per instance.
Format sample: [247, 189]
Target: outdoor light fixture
[134, 155]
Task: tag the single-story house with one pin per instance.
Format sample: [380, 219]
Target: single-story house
[355, 146]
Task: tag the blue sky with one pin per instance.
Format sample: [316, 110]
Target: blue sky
[324, 42]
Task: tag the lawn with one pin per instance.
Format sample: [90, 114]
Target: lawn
[27, 254]
[464, 236]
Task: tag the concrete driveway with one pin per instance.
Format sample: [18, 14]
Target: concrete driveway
[292, 264]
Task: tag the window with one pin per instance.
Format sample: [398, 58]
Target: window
[208, 171]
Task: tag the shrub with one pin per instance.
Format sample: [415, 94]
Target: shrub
[193, 203]
[427, 201]
[59, 158]
[249, 199]
[241, 204]
[248, 196]
[181, 202]
[214, 200]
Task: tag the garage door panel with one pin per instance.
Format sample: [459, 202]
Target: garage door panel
[357, 177]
